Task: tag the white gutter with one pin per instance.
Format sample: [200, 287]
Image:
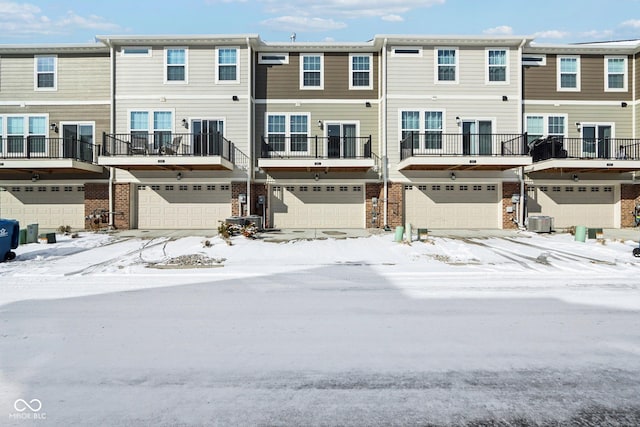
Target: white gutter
[249, 127]
[634, 102]
[383, 140]
[521, 212]
[112, 70]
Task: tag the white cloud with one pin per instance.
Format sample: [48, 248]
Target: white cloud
[633, 23]
[302, 23]
[348, 9]
[597, 34]
[551, 34]
[23, 19]
[393, 18]
[500, 30]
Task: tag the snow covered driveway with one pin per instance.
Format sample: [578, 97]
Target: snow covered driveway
[525, 330]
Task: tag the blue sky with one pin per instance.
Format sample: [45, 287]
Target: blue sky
[550, 21]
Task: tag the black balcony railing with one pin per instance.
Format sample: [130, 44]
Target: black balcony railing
[40, 147]
[167, 144]
[558, 147]
[315, 147]
[436, 144]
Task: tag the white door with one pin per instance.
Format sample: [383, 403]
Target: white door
[318, 206]
[571, 205]
[453, 206]
[183, 206]
[49, 206]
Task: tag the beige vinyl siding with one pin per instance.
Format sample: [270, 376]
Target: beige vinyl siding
[415, 74]
[145, 75]
[79, 77]
[367, 118]
[541, 82]
[620, 117]
[283, 81]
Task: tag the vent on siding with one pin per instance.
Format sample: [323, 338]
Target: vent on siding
[534, 60]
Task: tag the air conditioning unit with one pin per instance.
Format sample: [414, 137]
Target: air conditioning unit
[540, 224]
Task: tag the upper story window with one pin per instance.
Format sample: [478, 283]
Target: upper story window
[176, 65]
[311, 71]
[424, 127]
[46, 72]
[227, 65]
[615, 73]
[568, 73]
[135, 51]
[408, 51]
[447, 65]
[360, 71]
[539, 126]
[288, 132]
[497, 60]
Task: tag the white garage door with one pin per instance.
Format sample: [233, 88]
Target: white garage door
[49, 206]
[318, 206]
[184, 206]
[453, 206]
[569, 205]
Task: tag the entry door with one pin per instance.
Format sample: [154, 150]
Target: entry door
[77, 141]
[207, 137]
[476, 137]
[341, 140]
[596, 141]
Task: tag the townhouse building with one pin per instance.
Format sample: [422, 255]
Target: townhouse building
[54, 103]
[169, 132]
[580, 116]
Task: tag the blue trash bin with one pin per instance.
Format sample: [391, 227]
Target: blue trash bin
[9, 238]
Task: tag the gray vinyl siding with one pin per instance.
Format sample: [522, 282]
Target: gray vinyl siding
[621, 117]
[145, 76]
[326, 112]
[80, 77]
[415, 75]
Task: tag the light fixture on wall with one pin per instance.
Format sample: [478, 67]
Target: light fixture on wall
[367, 104]
[235, 98]
[185, 124]
[578, 126]
[623, 104]
[179, 176]
[505, 98]
[320, 124]
[316, 177]
[575, 178]
[54, 127]
[453, 176]
[458, 120]
[35, 177]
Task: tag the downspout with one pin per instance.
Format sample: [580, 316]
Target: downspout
[383, 140]
[249, 127]
[112, 131]
[521, 212]
[634, 102]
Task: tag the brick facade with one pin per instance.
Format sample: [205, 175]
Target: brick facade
[508, 218]
[374, 216]
[395, 209]
[122, 208]
[256, 209]
[96, 201]
[237, 188]
[629, 197]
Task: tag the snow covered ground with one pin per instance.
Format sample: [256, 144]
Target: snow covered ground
[523, 329]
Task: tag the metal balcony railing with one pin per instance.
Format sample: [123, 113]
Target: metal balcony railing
[167, 144]
[315, 147]
[40, 147]
[558, 147]
[437, 144]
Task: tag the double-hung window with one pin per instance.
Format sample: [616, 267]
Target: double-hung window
[360, 71]
[615, 73]
[416, 123]
[176, 65]
[497, 60]
[539, 126]
[15, 135]
[144, 125]
[46, 72]
[36, 140]
[227, 65]
[446, 65]
[568, 73]
[288, 132]
[311, 71]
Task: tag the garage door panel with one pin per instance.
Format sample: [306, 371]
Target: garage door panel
[48, 206]
[183, 206]
[591, 206]
[334, 206]
[453, 206]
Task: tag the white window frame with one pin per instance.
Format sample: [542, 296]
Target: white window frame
[456, 65]
[218, 65]
[406, 51]
[185, 65]
[489, 66]
[606, 73]
[272, 58]
[351, 71]
[422, 130]
[559, 73]
[287, 130]
[36, 73]
[341, 123]
[151, 130]
[4, 135]
[545, 123]
[123, 51]
[302, 71]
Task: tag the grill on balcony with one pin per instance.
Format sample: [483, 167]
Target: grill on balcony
[558, 147]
